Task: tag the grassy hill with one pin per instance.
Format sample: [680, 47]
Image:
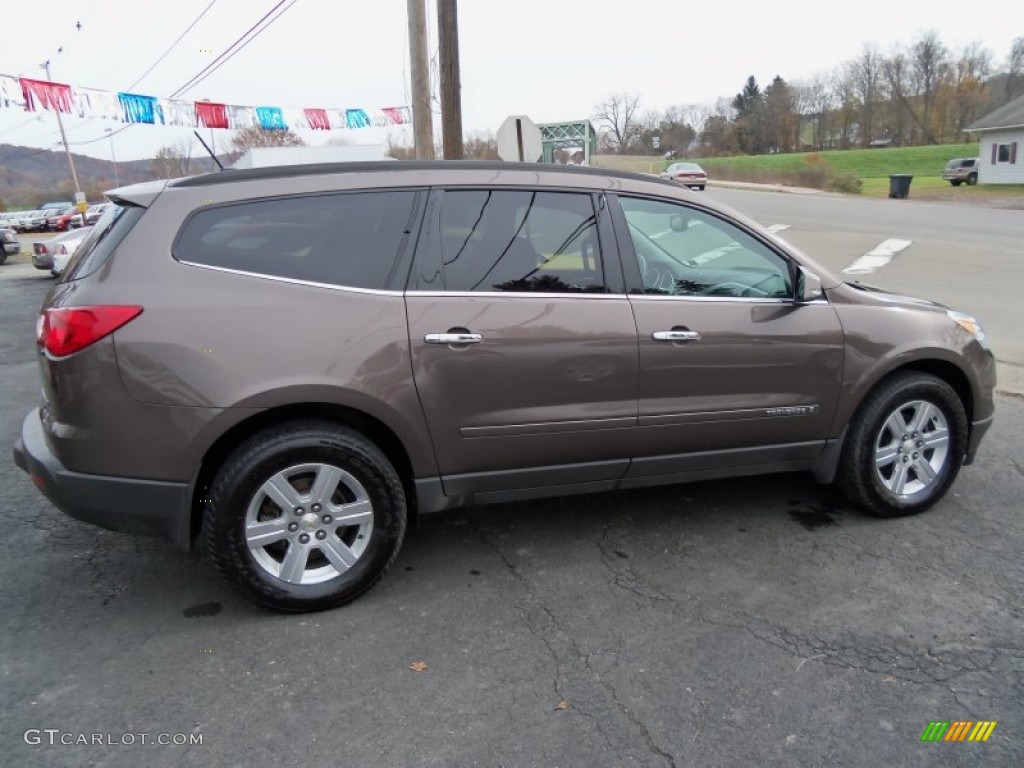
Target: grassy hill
[30, 177]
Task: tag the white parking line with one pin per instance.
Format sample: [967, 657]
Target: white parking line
[775, 228]
[877, 257]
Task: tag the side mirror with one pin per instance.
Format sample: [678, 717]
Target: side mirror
[808, 286]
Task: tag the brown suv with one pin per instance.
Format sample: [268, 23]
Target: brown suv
[293, 361]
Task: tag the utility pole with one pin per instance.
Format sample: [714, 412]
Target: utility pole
[422, 119]
[451, 85]
[113, 157]
[64, 136]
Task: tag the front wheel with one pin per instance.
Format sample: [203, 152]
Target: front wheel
[955, 182]
[305, 517]
[905, 446]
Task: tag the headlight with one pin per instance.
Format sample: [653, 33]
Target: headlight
[969, 324]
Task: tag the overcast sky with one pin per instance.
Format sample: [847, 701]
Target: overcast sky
[547, 59]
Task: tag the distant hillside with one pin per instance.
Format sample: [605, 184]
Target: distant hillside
[30, 177]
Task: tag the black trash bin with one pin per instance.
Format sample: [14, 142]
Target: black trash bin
[899, 185]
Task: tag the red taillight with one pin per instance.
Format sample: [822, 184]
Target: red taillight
[66, 330]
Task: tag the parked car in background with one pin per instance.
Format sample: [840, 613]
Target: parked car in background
[688, 174]
[92, 215]
[961, 170]
[34, 221]
[14, 220]
[66, 250]
[63, 219]
[45, 253]
[8, 218]
[11, 244]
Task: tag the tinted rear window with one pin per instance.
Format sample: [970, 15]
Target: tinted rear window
[105, 236]
[350, 239]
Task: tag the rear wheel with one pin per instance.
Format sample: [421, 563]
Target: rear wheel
[905, 446]
[972, 179]
[305, 517]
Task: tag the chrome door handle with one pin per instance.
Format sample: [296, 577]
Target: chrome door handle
[676, 336]
[453, 338]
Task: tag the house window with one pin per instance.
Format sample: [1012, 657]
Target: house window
[1004, 153]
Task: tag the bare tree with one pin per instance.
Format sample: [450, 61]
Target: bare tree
[172, 161]
[695, 116]
[930, 66]
[897, 77]
[1016, 66]
[846, 96]
[814, 101]
[483, 147]
[972, 69]
[866, 72]
[255, 136]
[617, 115]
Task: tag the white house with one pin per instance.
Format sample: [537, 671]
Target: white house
[1002, 144]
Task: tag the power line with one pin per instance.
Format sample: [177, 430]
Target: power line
[150, 69]
[230, 51]
[172, 46]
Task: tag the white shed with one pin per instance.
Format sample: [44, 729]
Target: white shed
[1002, 144]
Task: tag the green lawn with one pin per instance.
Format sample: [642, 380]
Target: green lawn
[865, 163]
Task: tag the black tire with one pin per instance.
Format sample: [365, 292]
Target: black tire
[972, 179]
[955, 182]
[871, 435]
[297, 454]
[3, 255]
[701, 187]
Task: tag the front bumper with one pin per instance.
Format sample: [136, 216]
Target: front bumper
[147, 507]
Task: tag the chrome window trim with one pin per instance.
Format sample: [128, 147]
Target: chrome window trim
[512, 294]
[731, 299]
[293, 280]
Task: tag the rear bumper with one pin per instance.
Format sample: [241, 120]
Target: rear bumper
[147, 507]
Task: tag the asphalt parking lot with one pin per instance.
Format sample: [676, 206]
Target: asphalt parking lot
[749, 622]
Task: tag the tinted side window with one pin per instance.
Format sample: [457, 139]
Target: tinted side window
[685, 252]
[350, 239]
[507, 240]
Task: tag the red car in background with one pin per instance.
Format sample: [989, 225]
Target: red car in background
[63, 219]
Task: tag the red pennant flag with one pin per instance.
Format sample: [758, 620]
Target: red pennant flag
[317, 119]
[211, 115]
[42, 93]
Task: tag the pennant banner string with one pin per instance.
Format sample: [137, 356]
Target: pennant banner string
[34, 95]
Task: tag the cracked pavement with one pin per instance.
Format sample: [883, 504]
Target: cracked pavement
[735, 623]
